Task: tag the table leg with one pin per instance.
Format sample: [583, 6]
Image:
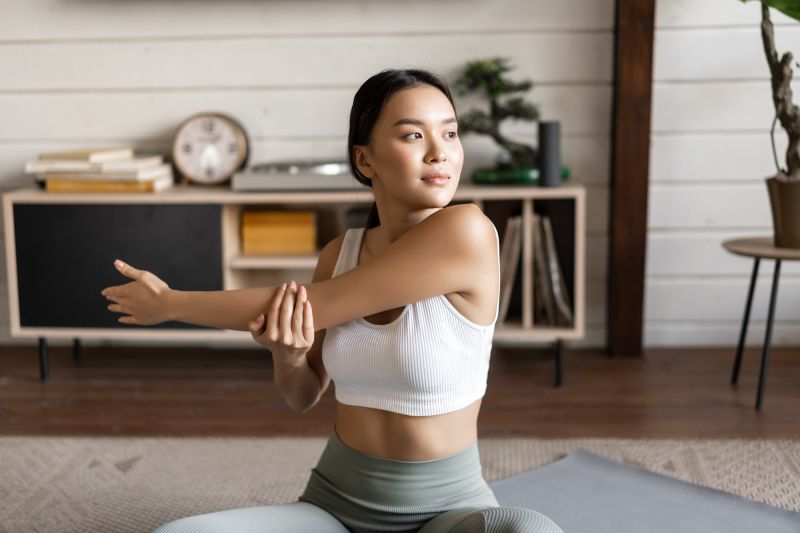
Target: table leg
[558, 348]
[743, 334]
[768, 336]
[43, 365]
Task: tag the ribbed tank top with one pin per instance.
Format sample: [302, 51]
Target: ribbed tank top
[430, 360]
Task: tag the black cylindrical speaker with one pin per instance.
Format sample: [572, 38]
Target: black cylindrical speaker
[550, 154]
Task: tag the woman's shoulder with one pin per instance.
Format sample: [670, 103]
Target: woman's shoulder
[467, 223]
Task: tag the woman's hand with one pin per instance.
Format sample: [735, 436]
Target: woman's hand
[288, 331]
[143, 300]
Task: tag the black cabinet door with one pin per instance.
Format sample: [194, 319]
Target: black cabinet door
[65, 256]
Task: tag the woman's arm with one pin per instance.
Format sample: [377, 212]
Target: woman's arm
[219, 309]
[447, 252]
[147, 300]
[453, 250]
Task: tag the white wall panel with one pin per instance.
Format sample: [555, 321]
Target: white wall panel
[700, 253]
[279, 113]
[722, 157]
[102, 20]
[706, 54]
[713, 106]
[293, 61]
[725, 334]
[741, 206]
[715, 13]
[718, 298]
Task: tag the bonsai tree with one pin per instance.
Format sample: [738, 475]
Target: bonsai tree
[781, 72]
[489, 77]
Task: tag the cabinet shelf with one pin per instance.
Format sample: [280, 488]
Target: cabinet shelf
[274, 261]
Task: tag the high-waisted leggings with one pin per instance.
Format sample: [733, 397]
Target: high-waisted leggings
[352, 491]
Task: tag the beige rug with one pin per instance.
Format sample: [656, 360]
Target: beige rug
[60, 485]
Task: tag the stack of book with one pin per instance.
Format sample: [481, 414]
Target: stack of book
[551, 299]
[279, 232]
[100, 170]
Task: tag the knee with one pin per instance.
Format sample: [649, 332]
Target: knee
[190, 524]
[518, 520]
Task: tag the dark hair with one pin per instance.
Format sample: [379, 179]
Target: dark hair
[367, 105]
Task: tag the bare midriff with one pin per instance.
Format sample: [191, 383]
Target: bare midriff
[406, 438]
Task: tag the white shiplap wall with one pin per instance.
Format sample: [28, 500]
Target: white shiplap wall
[94, 72]
[710, 153]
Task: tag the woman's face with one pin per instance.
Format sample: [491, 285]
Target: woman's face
[414, 155]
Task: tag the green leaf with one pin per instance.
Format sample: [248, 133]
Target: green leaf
[790, 8]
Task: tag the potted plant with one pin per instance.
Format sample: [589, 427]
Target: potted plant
[517, 162]
[784, 187]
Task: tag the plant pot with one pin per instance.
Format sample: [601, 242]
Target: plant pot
[784, 197]
[521, 176]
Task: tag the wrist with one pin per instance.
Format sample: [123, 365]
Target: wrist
[289, 362]
[172, 302]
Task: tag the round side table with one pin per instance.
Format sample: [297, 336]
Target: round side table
[759, 248]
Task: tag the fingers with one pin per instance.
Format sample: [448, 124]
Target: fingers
[288, 322]
[127, 270]
[116, 308]
[308, 319]
[111, 293]
[274, 309]
[298, 322]
[287, 310]
[257, 326]
[116, 293]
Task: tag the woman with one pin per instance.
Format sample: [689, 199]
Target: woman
[404, 312]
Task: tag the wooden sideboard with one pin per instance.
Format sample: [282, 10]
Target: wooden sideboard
[60, 248]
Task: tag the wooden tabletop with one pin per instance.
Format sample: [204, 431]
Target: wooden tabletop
[761, 247]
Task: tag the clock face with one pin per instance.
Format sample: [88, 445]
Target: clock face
[209, 148]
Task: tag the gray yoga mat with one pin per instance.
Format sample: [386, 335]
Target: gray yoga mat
[586, 493]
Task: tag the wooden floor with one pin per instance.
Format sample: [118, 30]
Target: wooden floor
[216, 392]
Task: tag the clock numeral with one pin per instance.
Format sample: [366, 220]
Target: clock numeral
[187, 148]
[209, 126]
[233, 148]
[209, 172]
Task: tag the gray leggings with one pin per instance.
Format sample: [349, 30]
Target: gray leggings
[352, 491]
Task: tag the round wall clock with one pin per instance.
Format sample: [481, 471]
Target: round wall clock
[209, 148]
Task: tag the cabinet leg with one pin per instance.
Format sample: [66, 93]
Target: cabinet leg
[43, 364]
[743, 334]
[76, 349]
[558, 348]
[762, 375]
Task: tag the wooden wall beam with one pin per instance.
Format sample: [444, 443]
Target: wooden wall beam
[630, 159]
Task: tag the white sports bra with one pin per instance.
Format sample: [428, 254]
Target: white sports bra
[430, 360]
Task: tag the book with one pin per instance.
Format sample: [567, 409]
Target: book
[544, 312]
[563, 308]
[278, 233]
[288, 246]
[277, 218]
[280, 236]
[158, 184]
[92, 155]
[509, 262]
[145, 174]
[67, 165]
